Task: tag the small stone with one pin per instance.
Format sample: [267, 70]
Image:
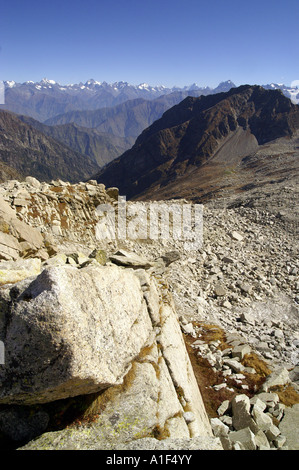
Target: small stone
[263, 420]
[236, 236]
[241, 413]
[240, 351]
[188, 329]
[219, 290]
[272, 433]
[235, 365]
[219, 428]
[261, 440]
[245, 437]
[171, 257]
[227, 260]
[279, 441]
[247, 318]
[255, 401]
[278, 377]
[223, 408]
[249, 370]
[219, 386]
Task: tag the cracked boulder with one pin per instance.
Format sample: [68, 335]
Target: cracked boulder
[75, 331]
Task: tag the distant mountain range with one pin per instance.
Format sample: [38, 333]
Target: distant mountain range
[46, 99]
[70, 132]
[105, 133]
[197, 145]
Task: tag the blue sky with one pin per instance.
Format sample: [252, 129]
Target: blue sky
[166, 42]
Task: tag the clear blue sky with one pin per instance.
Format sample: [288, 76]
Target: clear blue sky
[176, 42]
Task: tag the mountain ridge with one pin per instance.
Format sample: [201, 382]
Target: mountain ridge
[30, 152]
[46, 99]
[101, 147]
[192, 133]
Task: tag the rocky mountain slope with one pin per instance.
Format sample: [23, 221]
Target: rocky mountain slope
[234, 298]
[99, 146]
[28, 151]
[199, 143]
[127, 119]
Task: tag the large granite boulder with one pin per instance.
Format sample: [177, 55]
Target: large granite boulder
[106, 330]
[71, 332]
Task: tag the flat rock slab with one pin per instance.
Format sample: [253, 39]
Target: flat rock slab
[125, 258]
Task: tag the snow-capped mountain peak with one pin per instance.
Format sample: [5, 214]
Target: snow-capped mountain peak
[10, 84]
[45, 81]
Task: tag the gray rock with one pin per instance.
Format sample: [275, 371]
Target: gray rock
[269, 398]
[255, 401]
[33, 182]
[261, 440]
[235, 365]
[240, 351]
[62, 343]
[188, 329]
[247, 318]
[263, 420]
[112, 192]
[278, 377]
[18, 230]
[125, 258]
[54, 327]
[272, 433]
[224, 407]
[245, 437]
[219, 290]
[241, 413]
[171, 257]
[279, 441]
[9, 247]
[236, 236]
[219, 428]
